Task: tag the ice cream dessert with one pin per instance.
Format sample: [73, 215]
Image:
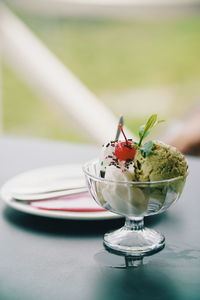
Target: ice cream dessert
[139, 163]
[136, 179]
[153, 161]
[164, 162]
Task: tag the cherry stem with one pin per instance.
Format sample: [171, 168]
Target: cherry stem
[121, 128]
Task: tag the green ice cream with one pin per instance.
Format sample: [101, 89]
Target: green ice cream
[164, 162]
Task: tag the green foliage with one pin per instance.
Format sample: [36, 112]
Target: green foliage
[106, 55]
[115, 55]
[25, 113]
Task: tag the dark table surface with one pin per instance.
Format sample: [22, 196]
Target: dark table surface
[43, 258]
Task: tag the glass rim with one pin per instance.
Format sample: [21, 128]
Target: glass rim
[96, 178]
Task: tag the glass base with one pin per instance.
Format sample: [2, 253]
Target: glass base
[133, 242]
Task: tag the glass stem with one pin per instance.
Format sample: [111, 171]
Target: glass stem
[134, 224]
[133, 262]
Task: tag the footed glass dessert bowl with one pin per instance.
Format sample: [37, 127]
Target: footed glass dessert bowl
[133, 200]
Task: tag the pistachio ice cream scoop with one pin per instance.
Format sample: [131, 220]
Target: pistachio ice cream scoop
[164, 162]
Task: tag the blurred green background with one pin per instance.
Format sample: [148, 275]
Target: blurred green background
[136, 67]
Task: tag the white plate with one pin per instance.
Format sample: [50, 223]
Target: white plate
[37, 177]
[47, 179]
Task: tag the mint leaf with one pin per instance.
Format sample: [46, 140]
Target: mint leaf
[141, 131]
[144, 130]
[148, 146]
[146, 149]
[135, 145]
[151, 122]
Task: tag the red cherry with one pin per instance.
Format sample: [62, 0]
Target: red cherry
[124, 151]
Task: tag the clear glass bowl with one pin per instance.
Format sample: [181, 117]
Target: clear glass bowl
[134, 201]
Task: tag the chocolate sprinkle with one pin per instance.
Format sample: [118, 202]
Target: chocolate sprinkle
[102, 174]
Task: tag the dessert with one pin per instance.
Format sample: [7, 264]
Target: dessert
[130, 161]
[136, 179]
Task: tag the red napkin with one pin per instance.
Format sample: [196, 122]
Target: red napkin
[82, 202]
